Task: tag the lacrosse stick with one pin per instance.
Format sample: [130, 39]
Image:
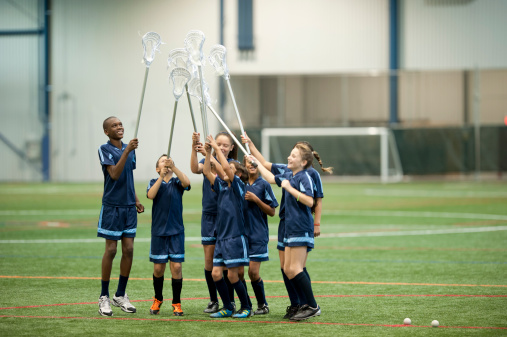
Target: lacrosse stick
[151, 41]
[195, 89]
[179, 77]
[179, 58]
[194, 42]
[217, 58]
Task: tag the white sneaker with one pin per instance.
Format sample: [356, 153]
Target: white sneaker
[124, 303]
[104, 306]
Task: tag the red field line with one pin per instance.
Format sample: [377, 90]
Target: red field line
[205, 298]
[270, 281]
[255, 322]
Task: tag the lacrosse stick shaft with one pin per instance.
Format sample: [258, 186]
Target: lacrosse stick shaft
[203, 105]
[191, 110]
[172, 129]
[141, 103]
[238, 143]
[237, 113]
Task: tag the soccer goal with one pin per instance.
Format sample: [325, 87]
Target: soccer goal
[352, 151]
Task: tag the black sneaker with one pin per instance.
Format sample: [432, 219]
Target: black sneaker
[306, 312]
[291, 311]
[262, 310]
[211, 308]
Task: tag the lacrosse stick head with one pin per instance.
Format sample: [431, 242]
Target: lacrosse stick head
[179, 77]
[217, 58]
[194, 42]
[178, 58]
[151, 41]
[194, 89]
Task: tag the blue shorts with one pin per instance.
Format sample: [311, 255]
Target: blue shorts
[299, 240]
[165, 248]
[258, 252]
[117, 222]
[208, 229]
[281, 235]
[231, 252]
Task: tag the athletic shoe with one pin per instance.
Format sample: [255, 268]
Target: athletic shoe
[105, 306]
[155, 307]
[177, 309]
[212, 307]
[124, 303]
[262, 310]
[291, 311]
[222, 313]
[243, 313]
[306, 312]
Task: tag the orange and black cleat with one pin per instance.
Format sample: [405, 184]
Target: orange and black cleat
[155, 307]
[177, 309]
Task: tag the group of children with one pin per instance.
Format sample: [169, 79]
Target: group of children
[236, 200]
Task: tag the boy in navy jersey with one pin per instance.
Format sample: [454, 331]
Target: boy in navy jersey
[167, 230]
[231, 249]
[118, 217]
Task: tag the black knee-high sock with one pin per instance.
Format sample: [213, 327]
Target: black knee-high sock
[122, 285]
[306, 272]
[158, 286]
[242, 294]
[177, 284]
[229, 286]
[246, 289]
[258, 288]
[303, 284]
[211, 286]
[291, 291]
[224, 294]
[104, 288]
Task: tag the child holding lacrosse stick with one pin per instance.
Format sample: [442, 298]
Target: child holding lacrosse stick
[299, 227]
[167, 230]
[316, 210]
[231, 250]
[209, 209]
[259, 202]
[118, 217]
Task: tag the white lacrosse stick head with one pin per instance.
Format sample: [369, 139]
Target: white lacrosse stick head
[151, 41]
[179, 77]
[217, 58]
[178, 58]
[194, 42]
[194, 89]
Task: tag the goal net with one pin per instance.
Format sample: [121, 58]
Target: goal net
[352, 151]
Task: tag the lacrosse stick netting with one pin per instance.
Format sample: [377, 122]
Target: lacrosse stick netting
[179, 77]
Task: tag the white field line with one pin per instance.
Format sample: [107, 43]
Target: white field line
[410, 214]
[37, 212]
[434, 194]
[274, 237]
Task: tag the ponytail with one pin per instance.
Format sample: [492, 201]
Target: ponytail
[317, 156]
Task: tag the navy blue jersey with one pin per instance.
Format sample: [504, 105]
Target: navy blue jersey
[209, 197]
[298, 217]
[167, 210]
[119, 192]
[318, 190]
[277, 169]
[230, 221]
[256, 221]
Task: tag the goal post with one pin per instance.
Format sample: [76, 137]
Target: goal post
[385, 155]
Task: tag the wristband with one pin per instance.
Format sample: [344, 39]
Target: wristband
[298, 196]
[316, 224]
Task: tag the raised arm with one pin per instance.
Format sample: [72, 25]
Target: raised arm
[265, 173]
[185, 182]
[207, 165]
[256, 153]
[116, 170]
[221, 159]
[195, 166]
